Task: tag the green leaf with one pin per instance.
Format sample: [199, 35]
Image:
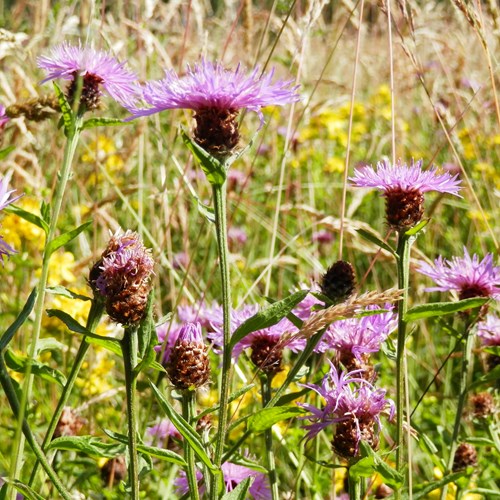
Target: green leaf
[19, 321]
[112, 345]
[290, 398]
[213, 168]
[49, 344]
[235, 395]
[152, 451]
[422, 491]
[416, 229]
[146, 332]
[66, 238]
[68, 116]
[373, 238]
[76, 327]
[26, 490]
[65, 292]
[435, 309]
[6, 151]
[102, 122]
[267, 417]
[240, 492]
[90, 445]
[491, 376]
[20, 364]
[267, 317]
[206, 211]
[32, 218]
[187, 432]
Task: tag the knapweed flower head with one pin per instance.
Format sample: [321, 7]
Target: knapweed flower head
[468, 275]
[6, 199]
[188, 365]
[353, 405]
[403, 187]
[123, 277]
[356, 338]
[163, 433]
[216, 94]
[339, 281]
[266, 353]
[234, 474]
[96, 68]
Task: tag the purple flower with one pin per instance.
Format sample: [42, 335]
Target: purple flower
[5, 199]
[469, 276]
[209, 85]
[488, 330]
[322, 236]
[233, 475]
[3, 117]
[355, 410]
[96, 67]
[216, 95]
[162, 432]
[360, 336]
[403, 187]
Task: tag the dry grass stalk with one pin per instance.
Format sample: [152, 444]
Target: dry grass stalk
[325, 317]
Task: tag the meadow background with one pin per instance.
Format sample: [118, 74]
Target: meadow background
[288, 216]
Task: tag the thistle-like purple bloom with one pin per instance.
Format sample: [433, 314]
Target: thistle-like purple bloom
[209, 85]
[355, 409]
[97, 68]
[403, 187]
[216, 95]
[6, 199]
[233, 475]
[162, 432]
[488, 330]
[361, 336]
[467, 275]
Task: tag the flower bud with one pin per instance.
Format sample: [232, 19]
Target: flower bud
[339, 281]
[188, 365]
[465, 456]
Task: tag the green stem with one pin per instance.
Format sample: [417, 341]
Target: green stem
[16, 409]
[265, 381]
[63, 176]
[188, 412]
[219, 194]
[462, 398]
[130, 349]
[95, 313]
[354, 488]
[403, 266]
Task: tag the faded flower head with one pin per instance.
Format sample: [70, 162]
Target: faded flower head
[355, 411]
[467, 275]
[403, 187]
[6, 199]
[164, 434]
[233, 475]
[488, 330]
[188, 366]
[465, 456]
[216, 95]
[97, 68]
[123, 277]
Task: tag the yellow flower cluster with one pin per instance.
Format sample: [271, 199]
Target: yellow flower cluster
[104, 152]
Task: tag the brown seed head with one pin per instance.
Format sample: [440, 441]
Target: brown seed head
[70, 423]
[483, 404]
[266, 354]
[465, 456]
[339, 281]
[346, 440]
[90, 95]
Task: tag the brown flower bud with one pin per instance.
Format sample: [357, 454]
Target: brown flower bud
[483, 404]
[188, 365]
[70, 423]
[339, 281]
[403, 208]
[349, 433]
[465, 456]
[266, 355]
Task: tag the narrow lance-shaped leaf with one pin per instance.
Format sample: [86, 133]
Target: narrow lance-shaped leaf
[19, 321]
[68, 117]
[435, 309]
[267, 417]
[213, 168]
[28, 216]
[187, 432]
[240, 491]
[152, 451]
[373, 238]
[66, 292]
[66, 238]
[6, 151]
[90, 445]
[103, 122]
[267, 317]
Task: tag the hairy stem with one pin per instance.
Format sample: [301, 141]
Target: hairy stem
[130, 349]
[268, 438]
[63, 176]
[219, 194]
[188, 412]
